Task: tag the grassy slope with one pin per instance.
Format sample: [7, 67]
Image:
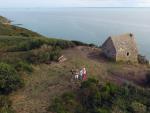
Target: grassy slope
[11, 36]
[11, 30]
[48, 81]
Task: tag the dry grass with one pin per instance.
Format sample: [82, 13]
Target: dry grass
[48, 81]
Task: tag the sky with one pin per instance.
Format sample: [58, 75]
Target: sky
[73, 3]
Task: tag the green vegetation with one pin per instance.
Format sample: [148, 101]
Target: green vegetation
[11, 30]
[93, 97]
[9, 79]
[78, 43]
[45, 54]
[5, 105]
[23, 66]
[20, 49]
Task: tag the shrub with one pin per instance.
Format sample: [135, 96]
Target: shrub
[64, 44]
[92, 45]
[102, 110]
[89, 82]
[24, 34]
[105, 98]
[89, 94]
[68, 96]
[60, 43]
[5, 105]
[78, 43]
[55, 54]
[9, 80]
[44, 55]
[28, 45]
[57, 106]
[116, 109]
[23, 66]
[65, 104]
[138, 107]
[31, 44]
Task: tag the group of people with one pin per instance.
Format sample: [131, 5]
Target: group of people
[80, 74]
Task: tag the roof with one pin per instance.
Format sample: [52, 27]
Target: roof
[125, 41]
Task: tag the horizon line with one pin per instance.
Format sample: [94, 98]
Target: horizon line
[66, 7]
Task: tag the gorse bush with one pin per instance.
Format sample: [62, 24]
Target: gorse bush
[9, 79]
[93, 97]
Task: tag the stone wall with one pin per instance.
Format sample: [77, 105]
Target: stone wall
[109, 50]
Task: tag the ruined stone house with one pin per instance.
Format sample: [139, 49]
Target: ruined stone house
[121, 48]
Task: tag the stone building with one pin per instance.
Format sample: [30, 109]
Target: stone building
[121, 48]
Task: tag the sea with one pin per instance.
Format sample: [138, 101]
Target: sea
[90, 25]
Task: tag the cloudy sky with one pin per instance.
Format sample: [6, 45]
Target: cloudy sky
[73, 3]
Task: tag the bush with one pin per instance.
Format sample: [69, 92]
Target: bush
[9, 80]
[78, 43]
[5, 105]
[60, 43]
[92, 45]
[64, 44]
[29, 45]
[24, 34]
[65, 104]
[102, 110]
[92, 97]
[44, 55]
[89, 82]
[23, 66]
[138, 107]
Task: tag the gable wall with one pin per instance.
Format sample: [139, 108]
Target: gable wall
[109, 50]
